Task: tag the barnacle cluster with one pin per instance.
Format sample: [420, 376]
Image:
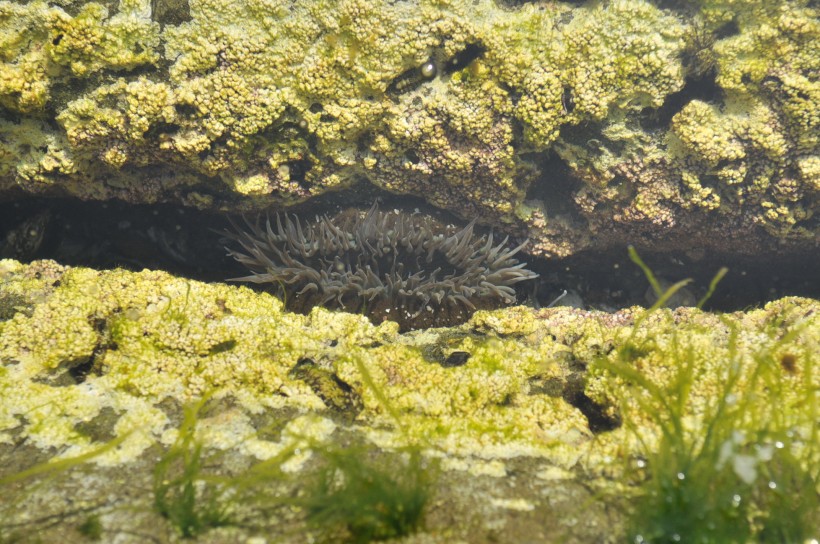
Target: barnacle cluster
[406, 267]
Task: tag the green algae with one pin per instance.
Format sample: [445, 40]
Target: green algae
[738, 464]
[149, 337]
[360, 499]
[732, 467]
[353, 493]
[91, 528]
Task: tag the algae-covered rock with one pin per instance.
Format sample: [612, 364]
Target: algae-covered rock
[668, 120]
[499, 383]
[283, 103]
[732, 153]
[72, 333]
[98, 363]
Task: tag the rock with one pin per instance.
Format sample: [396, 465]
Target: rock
[531, 400]
[587, 127]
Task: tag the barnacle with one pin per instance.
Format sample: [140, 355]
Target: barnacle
[406, 267]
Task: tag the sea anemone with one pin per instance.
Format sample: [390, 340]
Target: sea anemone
[406, 267]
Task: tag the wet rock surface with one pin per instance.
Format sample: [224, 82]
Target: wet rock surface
[666, 126]
[515, 412]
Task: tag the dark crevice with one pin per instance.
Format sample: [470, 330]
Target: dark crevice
[222, 347]
[412, 156]
[703, 88]
[298, 169]
[463, 58]
[313, 144]
[81, 371]
[455, 359]
[407, 81]
[186, 110]
[11, 116]
[591, 136]
[115, 234]
[158, 129]
[597, 418]
[727, 30]
[513, 94]
[437, 352]
[148, 71]
[413, 78]
[571, 390]
[555, 187]
[608, 280]
[170, 12]
[567, 100]
[187, 243]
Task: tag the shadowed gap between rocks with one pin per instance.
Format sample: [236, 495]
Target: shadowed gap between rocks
[182, 241]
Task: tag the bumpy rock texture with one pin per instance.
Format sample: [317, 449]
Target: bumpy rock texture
[89, 357]
[501, 383]
[585, 125]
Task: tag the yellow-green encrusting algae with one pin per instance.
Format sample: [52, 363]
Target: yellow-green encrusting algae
[274, 103]
[142, 337]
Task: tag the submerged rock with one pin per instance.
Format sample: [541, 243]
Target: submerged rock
[588, 126]
[531, 397]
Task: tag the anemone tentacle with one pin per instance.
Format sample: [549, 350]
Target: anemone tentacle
[395, 265]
